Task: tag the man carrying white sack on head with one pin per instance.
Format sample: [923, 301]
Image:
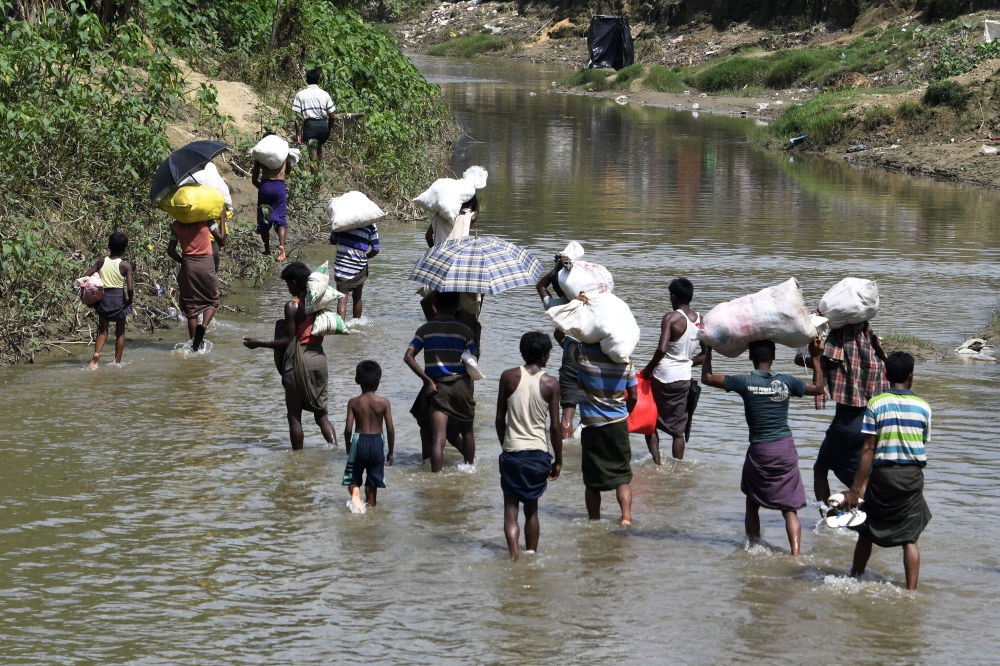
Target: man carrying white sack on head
[854, 367]
[350, 269]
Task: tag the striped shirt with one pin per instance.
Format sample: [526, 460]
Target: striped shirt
[313, 103]
[352, 250]
[604, 384]
[902, 423]
[443, 340]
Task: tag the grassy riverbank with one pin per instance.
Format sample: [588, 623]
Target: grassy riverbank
[92, 103]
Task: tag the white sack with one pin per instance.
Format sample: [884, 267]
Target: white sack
[776, 313]
[606, 319]
[850, 301]
[271, 151]
[446, 196]
[211, 177]
[587, 277]
[319, 294]
[477, 176]
[352, 210]
[573, 251]
[472, 366]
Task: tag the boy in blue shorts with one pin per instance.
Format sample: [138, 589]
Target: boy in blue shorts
[897, 427]
[366, 455]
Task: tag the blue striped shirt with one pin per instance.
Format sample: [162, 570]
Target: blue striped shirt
[902, 423]
[604, 385]
[443, 340]
[352, 250]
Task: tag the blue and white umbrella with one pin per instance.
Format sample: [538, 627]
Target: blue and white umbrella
[477, 265]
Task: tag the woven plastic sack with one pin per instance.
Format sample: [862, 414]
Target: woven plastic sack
[211, 177]
[446, 196]
[352, 210]
[91, 289]
[776, 313]
[850, 301]
[329, 323]
[271, 151]
[605, 319]
[193, 203]
[642, 419]
[583, 276]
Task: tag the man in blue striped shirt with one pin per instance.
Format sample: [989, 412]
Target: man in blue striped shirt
[447, 385]
[350, 269]
[897, 426]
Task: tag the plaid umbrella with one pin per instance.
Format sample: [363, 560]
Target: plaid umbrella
[477, 265]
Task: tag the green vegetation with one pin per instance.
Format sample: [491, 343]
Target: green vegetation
[897, 341]
[948, 93]
[623, 80]
[910, 111]
[470, 47]
[588, 78]
[877, 116]
[992, 329]
[821, 118]
[568, 31]
[661, 79]
[731, 74]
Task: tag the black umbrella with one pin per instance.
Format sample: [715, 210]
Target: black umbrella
[181, 164]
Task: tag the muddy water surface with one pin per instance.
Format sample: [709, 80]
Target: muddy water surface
[155, 514]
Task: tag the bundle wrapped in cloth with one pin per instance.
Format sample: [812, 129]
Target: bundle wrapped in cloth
[850, 301]
[777, 313]
[320, 296]
[91, 289]
[604, 319]
[193, 203]
[446, 195]
[352, 210]
[272, 151]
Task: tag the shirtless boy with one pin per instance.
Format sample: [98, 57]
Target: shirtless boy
[368, 411]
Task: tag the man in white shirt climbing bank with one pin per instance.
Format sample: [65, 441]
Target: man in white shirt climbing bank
[316, 108]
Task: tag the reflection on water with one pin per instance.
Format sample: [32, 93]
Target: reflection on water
[154, 512]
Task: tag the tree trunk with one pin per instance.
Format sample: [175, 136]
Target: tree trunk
[274, 23]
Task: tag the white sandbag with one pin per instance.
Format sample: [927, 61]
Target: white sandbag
[550, 302]
[477, 176]
[271, 151]
[329, 323]
[352, 210]
[777, 313]
[446, 196]
[850, 301]
[586, 277]
[573, 251]
[294, 155]
[211, 177]
[606, 319]
[326, 300]
[319, 294]
[472, 366]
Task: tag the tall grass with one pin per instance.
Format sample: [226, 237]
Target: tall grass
[731, 74]
[587, 77]
[661, 79]
[470, 47]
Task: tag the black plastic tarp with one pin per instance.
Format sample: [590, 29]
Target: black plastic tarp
[610, 42]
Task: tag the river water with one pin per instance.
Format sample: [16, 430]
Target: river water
[155, 514]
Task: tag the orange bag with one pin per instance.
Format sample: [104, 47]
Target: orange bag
[642, 420]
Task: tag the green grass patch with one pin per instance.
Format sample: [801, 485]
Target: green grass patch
[897, 341]
[877, 116]
[661, 79]
[909, 111]
[947, 93]
[731, 74]
[470, 47]
[822, 118]
[589, 78]
[788, 69]
[623, 80]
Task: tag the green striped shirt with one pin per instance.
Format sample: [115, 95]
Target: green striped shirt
[902, 423]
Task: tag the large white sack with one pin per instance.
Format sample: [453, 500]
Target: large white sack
[606, 319]
[271, 151]
[211, 177]
[446, 196]
[477, 176]
[587, 277]
[777, 313]
[850, 301]
[352, 210]
[573, 251]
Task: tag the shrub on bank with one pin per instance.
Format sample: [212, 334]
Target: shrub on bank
[910, 111]
[787, 69]
[625, 77]
[470, 47]
[877, 116]
[822, 118]
[731, 74]
[661, 79]
[948, 93]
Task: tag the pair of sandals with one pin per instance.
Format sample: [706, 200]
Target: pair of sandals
[838, 517]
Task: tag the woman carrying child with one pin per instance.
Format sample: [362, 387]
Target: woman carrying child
[116, 305]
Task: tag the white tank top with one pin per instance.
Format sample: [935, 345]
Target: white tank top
[676, 363]
[527, 412]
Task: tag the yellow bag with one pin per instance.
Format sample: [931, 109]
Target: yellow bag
[193, 203]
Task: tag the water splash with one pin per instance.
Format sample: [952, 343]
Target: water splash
[185, 350]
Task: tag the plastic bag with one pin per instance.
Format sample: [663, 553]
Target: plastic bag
[193, 203]
[329, 323]
[777, 313]
[642, 420]
[91, 289]
[271, 151]
[211, 177]
[850, 301]
[586, 277]
[604, 319]
[352, 211]
[472, 366]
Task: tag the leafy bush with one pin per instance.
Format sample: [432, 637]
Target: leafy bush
[731, 74]
[470, 47]
[662, 79]
[877, 116]
[947, 93]
[910, 111]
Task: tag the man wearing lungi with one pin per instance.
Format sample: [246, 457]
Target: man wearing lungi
[317, 110]
[771, 477]
[897, 427]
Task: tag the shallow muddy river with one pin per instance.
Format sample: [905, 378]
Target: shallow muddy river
[155, 513]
